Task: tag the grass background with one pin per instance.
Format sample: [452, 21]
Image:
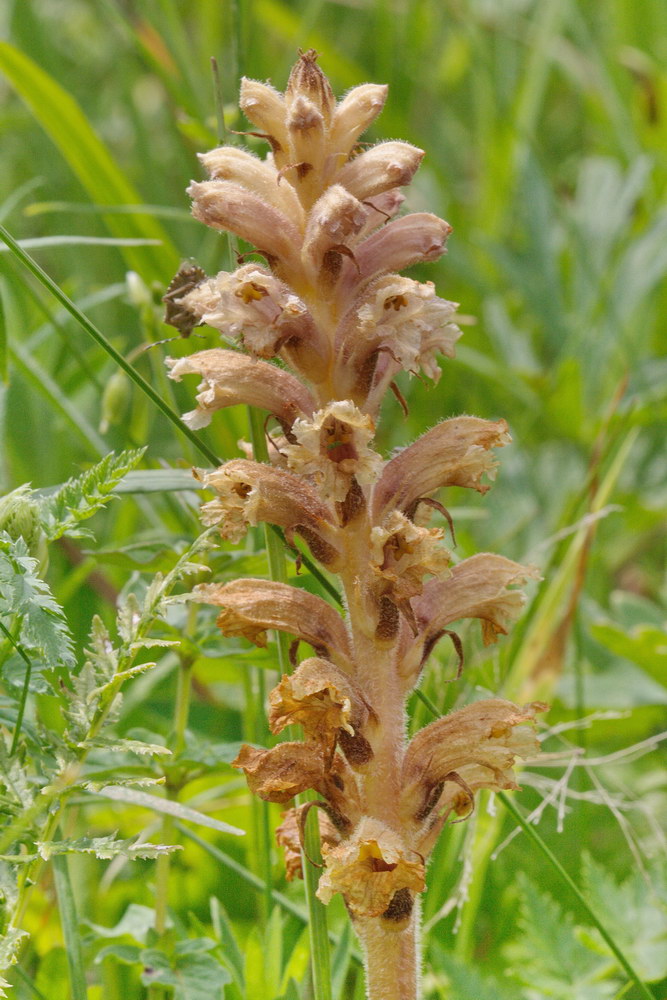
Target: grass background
[545, 127]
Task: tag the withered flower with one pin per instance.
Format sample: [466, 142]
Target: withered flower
[324, 327]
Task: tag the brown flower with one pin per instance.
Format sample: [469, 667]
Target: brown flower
[369, 868]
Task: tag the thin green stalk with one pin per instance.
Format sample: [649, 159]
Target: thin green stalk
[70, 928]
[101, 340]
[253, 880]
[534, 836]
[311, 857]
[174, 781]
[26, 685]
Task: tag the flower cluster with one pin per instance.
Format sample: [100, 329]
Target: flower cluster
[330, 306]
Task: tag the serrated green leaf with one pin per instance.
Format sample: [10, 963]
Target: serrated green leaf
[635, 915]
[82, 496]
[10, 945]
[103, 847]
[466, 981]
[25, 596]
[199, 751]
[548, 956]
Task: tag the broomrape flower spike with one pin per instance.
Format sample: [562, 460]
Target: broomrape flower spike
[326, 302]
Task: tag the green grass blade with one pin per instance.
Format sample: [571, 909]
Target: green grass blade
[70, 928]
[48, 388]
[3, 335]
[534, 836]
[63, 120]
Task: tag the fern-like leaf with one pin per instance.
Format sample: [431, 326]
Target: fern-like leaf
[79, 498]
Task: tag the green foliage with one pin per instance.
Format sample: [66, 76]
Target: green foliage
[27, 600]
[79, 498]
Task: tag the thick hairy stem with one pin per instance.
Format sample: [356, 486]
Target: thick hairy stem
[390, 958]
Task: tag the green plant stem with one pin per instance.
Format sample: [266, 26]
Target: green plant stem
[317, 917]
[174, 782]
[26, 686]
[70, 928]
[253, 880]
[534, 836]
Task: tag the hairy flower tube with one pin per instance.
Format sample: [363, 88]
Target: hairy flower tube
[327, 304]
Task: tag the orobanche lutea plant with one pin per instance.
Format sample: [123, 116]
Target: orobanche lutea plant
[329, 304]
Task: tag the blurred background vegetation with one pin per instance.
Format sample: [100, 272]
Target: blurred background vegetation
[545, 128]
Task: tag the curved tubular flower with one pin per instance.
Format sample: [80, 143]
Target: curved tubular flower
[250, 607]
[327, 703]
[453, 757]
[229, 377]
[260, 177]
[389, 165]
[329, 305]
[456, 452]
[251, 493]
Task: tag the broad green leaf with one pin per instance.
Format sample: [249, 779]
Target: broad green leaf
[65, 123]
[224, 932]
[136, 922]
[128, 954]
[193, 976]
[645, 645]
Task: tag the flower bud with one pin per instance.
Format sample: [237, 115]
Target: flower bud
[19, 517]
[264, 106]
[358, 109]
[227, 163]
[308, 81]
[389, 165]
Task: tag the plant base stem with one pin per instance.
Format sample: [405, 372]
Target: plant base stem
[390, 959]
